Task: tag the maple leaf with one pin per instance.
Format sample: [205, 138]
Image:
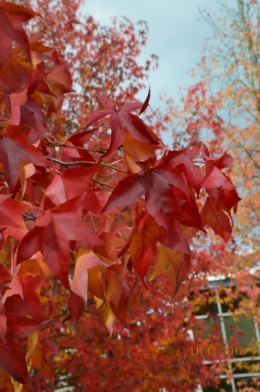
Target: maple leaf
[143, 243]
[62, 188]
[76, 306]
[175, 238]
[28, 303]
[12, 359]
[12, 356]
[217, 184]
[13, 288]
[212, 214]
[52, 235]
[16, 74]
[11, 30]
[59, 81]
[20, 326]
[78, 139]
[13, 149]
[3, 327]
[135, 153]
[5, 275]
[183, 161]
[25, 111]
[11, 217]
[17, 100]
[117, 293]
[146, 102]
[167, 196]
[176, 264]
[121, 121]
[84, 261]
[108, 251]
[178, 270]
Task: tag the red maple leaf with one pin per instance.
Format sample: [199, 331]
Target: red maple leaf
[121, 121]
[14, 148]
[213, 214]
[167, 196]
[217, 184]
[20, 326]
[183, 161]
[12, 359]
[11, 30]
[28, 303]
[143, 243]
[11, 217]
[26, 111]
[62, 188]
[52, 235]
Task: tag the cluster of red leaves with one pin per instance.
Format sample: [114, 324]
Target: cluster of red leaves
[100, 57]
[62, 226]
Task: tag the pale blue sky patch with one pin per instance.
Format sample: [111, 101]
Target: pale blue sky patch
[176, 35]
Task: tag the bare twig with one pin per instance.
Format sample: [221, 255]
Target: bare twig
[68, 164]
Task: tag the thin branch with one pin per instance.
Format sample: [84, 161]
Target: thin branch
[252, 158]
[68, 164]
[102, 183]
[29, 216]
[50, 144]
[110, 165]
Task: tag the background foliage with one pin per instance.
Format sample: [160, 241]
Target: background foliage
[61, 250]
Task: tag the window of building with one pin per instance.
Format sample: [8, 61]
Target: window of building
[236, 336]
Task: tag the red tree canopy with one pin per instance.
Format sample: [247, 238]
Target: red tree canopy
[85, 216]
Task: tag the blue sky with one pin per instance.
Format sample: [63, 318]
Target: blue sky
[176, 34]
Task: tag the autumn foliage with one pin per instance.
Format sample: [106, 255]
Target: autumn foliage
[223, 107]
[88, 214]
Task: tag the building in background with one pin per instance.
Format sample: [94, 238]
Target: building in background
[236, 344]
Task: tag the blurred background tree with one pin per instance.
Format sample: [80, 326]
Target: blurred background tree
[155, 351]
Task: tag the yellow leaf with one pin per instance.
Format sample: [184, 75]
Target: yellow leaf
[31, 345]
[161, 263]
